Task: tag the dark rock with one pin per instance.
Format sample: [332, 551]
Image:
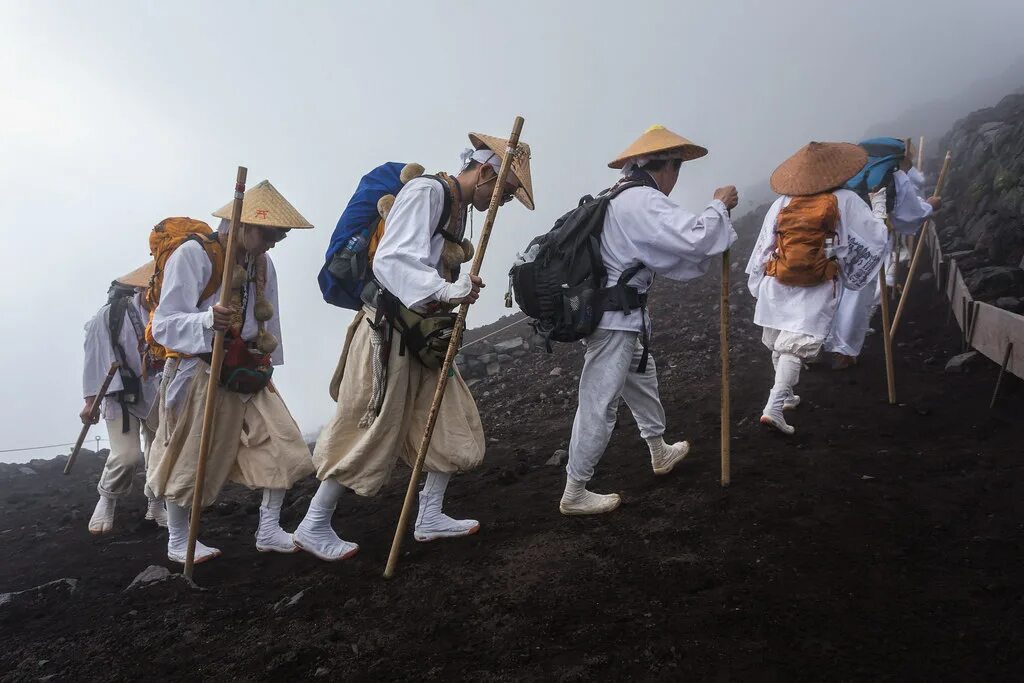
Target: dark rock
[993, 282]
[1012, 304]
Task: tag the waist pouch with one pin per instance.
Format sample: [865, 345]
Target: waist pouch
[244, 370]
[424, 335]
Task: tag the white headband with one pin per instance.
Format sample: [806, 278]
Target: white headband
[481, 156]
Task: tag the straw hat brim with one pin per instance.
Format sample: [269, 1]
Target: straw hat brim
[139, 277]
[520, 167]
[263, 205]
[818, 167]
[659, 142]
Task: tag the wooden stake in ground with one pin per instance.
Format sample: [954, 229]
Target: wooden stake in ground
[215, 365]
[94, 413]
[1002, 371]
[453, 348]
[919, 248]
[724, 342]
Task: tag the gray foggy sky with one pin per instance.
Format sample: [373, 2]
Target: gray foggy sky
[118, 114]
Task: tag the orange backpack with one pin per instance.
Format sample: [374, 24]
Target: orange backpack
[166, 236]
[802, 229]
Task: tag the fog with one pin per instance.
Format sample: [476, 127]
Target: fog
[118, 114]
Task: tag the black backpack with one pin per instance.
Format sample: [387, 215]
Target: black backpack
[131, 392]
[563, 287]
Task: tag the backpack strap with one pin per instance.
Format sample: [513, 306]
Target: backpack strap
[446, 211]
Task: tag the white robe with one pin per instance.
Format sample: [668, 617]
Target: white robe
[856, 308]
[408, 258]
[183, 325]
[645, 226]
[910, 211]
[99, 354]
[861, 243]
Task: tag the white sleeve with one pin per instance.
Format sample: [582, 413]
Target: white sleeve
[402, 263]
[677, 244]
[99, 354]
[178, 324]
[763, 248]
[910, 210]
[274, 324]
[862, 241]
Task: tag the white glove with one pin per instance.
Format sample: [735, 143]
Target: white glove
[878, 204]
[456, 290]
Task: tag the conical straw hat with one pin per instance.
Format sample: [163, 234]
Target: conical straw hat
[658, 142]
[264, 205]
[139, 277]
[818, 167]
[520, 163]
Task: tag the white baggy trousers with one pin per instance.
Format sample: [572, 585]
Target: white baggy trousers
[128, 450]
[609, 373]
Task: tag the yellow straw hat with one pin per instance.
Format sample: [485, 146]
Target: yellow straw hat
[264, 205]
[139, 277]
[520, 163]
[818, 167]
[658, 142]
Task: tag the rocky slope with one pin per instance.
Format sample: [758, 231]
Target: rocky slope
[982, 222]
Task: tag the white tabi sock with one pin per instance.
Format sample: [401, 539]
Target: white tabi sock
[314, 534]
[177, 537]
[156, 512]
[102, 520]
[791, 400]
[787, 374]
[665, 457]
[270, 537]
[577, 500]
[431, 523]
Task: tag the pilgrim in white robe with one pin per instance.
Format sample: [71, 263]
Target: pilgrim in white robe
[361, 454]
[642, 226]
[857, 307]
[129, 447]
[256, 441]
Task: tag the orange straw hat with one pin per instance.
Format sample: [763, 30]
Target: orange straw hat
[264, 205]
[818, 167]
[658, 142]
[139, 277]
[520, 163]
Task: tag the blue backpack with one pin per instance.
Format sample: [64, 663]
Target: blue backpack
[884, 157]
[347, 263]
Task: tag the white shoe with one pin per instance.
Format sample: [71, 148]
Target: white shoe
[665, 457]
[177, 537]
[791, 402]
[577, 500]
[431, 523]
[102, 520]
[316, 537]
[270, 537]
[156, 512]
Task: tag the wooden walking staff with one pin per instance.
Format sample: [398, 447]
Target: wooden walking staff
[453, 348]
[890, 374]
[723, 319]
[94, 413]
[216, 362]
[919, 247]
